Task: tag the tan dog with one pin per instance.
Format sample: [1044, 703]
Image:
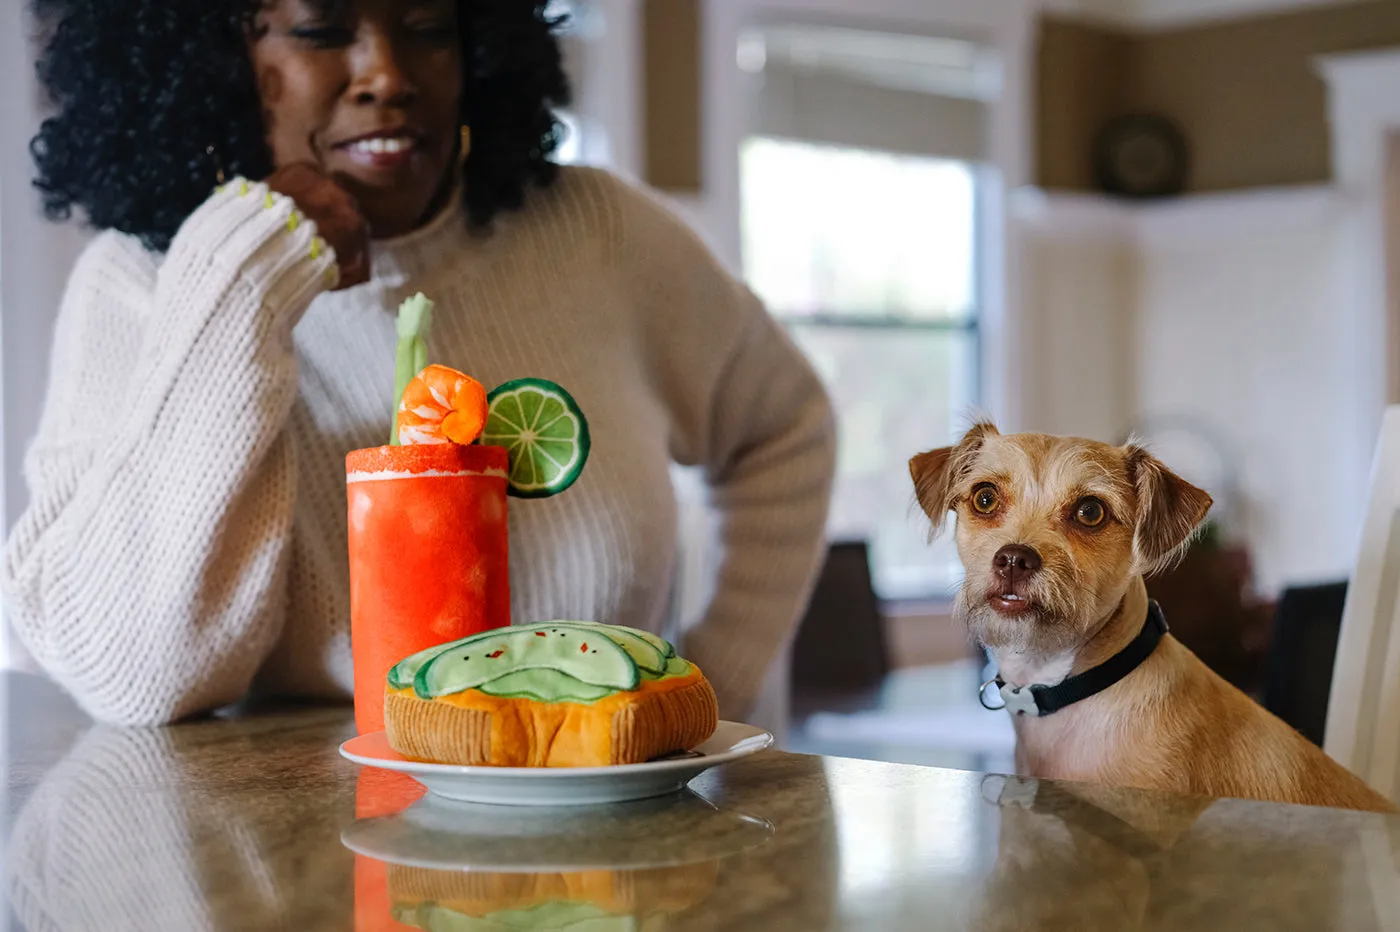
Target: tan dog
[1056, 535]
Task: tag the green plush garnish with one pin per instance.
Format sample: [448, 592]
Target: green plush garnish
[544, 432]
[411, 355]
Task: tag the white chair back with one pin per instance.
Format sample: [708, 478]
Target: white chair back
[1363, 712]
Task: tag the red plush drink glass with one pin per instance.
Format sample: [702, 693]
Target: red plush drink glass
[428, 544]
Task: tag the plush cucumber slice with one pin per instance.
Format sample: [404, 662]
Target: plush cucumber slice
[642, 651]
[667, 649]
[544, 686]
[648, 651]
[401, 674]
[648, 654]
[570, 649]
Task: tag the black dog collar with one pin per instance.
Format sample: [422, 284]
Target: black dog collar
[1038, 700]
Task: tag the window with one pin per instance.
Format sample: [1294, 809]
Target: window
[570, 151]
[580, 32]
[870, 259]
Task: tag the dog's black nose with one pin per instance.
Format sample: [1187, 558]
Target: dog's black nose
[1016, 560]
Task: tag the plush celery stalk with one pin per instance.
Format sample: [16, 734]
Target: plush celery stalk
[411, 355]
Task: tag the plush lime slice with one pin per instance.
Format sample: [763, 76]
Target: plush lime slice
[545, 433]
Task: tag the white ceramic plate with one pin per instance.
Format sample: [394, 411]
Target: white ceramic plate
[562, 786]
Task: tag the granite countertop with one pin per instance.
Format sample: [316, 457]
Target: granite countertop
[256, 822]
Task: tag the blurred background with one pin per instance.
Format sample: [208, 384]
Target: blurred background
[1168, 218]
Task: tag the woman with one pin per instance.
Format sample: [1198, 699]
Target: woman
[219, 351]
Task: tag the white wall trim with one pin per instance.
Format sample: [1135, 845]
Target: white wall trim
[1075, 217]
[1363, 110]
[1238, 214]
[1192, 219]
[1164, 15]
[1364, 113]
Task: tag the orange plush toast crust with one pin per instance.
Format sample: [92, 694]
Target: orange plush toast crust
[473, 728]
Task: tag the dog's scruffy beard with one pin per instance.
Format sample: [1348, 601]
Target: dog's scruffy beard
[1041, 630]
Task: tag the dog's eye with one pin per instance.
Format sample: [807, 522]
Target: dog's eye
[1090, 512]
[984, 499]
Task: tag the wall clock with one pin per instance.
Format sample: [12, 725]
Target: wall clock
[1141, 155]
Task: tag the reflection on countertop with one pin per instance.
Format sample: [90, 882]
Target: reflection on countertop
[256, 823]
[443, 865]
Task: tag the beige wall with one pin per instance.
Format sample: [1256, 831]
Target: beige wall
[672, 96]
[1244, 91]
[1080, 82]
[1228, 311]
[1237, 328]
[1080, 299]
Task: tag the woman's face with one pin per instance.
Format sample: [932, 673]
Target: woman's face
[370, 90]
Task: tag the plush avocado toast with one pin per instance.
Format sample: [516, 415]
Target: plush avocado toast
[556, 694]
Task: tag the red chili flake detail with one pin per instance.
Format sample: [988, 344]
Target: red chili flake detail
[496, 653]
[541, 634]
[583, 648]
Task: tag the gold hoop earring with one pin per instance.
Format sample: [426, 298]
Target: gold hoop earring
[466, 146]
[218, 166]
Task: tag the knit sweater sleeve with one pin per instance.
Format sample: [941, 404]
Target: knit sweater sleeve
[747, 407]
[148, 574]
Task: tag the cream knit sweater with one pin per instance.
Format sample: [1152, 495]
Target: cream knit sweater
[186, 541]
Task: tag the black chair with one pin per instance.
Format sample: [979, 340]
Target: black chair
[1298, 678]
[840, 647]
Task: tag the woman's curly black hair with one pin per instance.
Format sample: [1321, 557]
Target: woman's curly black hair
[143, 89]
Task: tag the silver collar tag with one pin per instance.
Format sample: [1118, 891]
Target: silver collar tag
[1018, 700]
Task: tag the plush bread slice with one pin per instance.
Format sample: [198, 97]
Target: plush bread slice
[473, 728]
[475, 893]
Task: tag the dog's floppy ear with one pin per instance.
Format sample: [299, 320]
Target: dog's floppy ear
[1169, 510]
[930, 474]
[936, 472]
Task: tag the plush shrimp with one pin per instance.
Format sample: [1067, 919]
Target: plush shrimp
[442, 405]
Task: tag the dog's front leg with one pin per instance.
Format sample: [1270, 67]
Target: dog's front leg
[1022, 758]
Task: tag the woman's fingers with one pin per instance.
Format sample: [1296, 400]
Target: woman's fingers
[335, 212]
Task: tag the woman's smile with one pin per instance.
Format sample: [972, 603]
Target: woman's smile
[379, 154]
[370, 91]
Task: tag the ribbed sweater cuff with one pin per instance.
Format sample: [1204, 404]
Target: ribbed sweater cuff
[247, 233]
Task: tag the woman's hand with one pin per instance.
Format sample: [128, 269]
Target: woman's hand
[336, 214]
